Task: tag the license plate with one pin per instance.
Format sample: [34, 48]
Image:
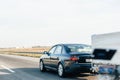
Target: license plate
[88, 60]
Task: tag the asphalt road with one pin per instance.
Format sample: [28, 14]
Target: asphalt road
[26, 68]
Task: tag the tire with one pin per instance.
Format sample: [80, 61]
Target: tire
[41, 66]
[61, 70]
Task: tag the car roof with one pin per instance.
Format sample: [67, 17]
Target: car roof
[73, 44]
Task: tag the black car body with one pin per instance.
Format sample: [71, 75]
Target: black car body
[66, 58]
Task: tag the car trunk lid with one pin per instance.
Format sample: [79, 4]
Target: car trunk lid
[81, 57]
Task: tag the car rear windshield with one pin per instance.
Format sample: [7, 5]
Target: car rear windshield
[79, 48]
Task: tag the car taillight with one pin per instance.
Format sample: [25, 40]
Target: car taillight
[74, 58]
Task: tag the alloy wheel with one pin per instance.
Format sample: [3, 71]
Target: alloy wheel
[60, 70]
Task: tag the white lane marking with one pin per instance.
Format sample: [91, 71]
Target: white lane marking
[7, 69]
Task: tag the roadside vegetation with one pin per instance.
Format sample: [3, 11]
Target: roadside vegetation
[31, 52]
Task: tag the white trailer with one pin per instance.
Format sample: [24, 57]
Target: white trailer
[108, 41]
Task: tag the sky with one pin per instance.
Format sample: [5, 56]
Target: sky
[25, 23]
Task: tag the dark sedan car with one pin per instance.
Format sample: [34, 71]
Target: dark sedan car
[66, 58]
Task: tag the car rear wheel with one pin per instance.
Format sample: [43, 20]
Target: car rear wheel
[61, 71]
[41, 66]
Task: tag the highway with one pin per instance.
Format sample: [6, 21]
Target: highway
[14, 67]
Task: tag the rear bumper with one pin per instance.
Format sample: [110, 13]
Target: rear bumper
[79, 67]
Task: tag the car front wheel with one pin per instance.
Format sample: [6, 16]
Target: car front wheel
[61, 71]
[41, 66]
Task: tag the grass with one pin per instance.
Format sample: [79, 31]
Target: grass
[28, 54]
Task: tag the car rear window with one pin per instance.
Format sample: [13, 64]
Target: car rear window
[79, 48]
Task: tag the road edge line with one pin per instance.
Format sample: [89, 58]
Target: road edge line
[10, 70]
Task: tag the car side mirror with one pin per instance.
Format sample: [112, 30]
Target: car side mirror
[45, 52]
